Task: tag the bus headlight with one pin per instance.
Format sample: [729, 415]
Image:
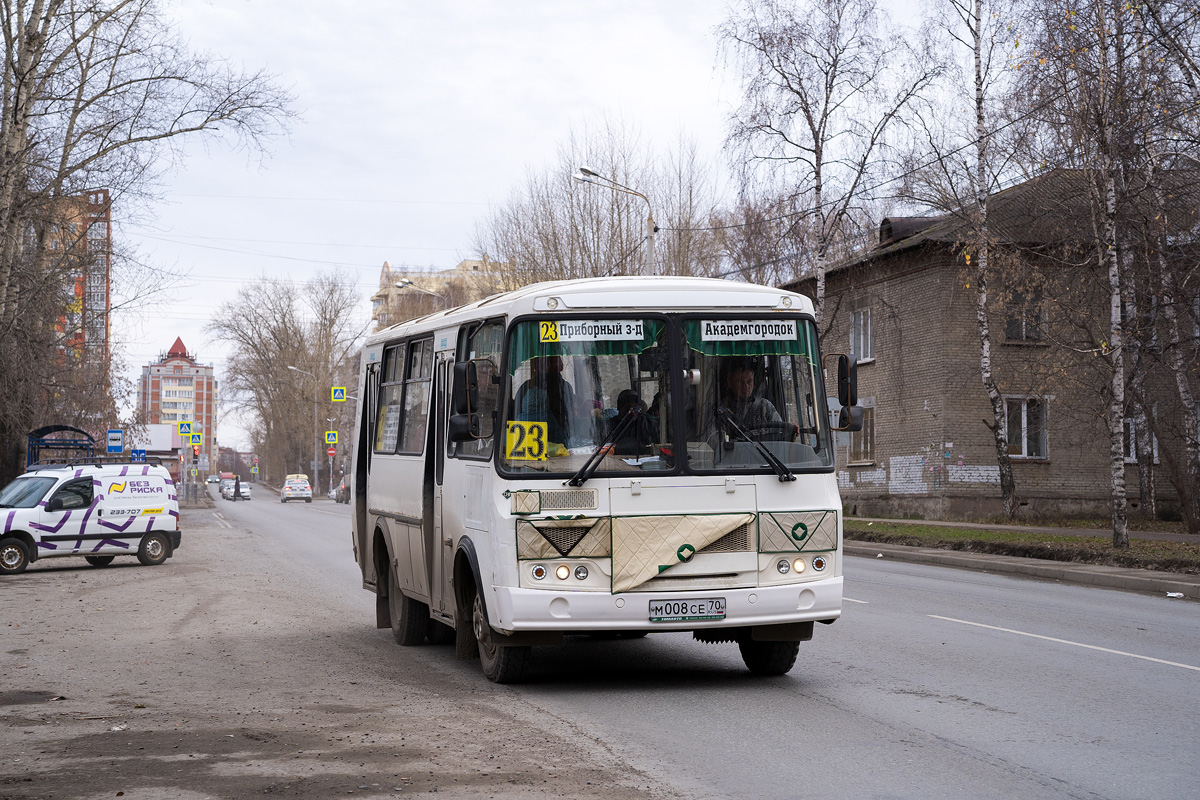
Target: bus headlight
[783, 566]
[798, 565]
[539, 572]
[819, 563]
[581, 573]
[563, 572]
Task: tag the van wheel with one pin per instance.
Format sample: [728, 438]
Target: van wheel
[99, 561]
[14, 556]
[410, 618]
[154, 550]
[500, 664]
[769, 658]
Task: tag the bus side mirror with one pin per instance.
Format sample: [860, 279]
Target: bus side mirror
[462, 427]
[465, 394]
[850, 419]
[847, 381]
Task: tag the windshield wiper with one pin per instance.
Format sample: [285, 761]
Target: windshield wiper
[585, 472]
[780, 468]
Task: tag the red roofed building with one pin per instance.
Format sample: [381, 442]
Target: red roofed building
[178, 388]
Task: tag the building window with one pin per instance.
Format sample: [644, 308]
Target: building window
[1025, 427]
[862, 347]
[1025, 317]
[1131, 442]
[862, 443]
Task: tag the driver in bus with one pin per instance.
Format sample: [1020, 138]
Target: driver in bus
[747, 410]
[547, 397]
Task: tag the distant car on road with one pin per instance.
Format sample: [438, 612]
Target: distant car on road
[342, 493]
[213, 479]
[226, 488]
[296, 489]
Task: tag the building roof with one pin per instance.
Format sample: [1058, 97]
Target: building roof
[178, 350]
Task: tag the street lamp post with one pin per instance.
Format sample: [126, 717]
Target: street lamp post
[405, 283]
[586, 175]
[330, 421]
[316, 436]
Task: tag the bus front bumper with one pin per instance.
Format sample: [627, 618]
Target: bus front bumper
[513, 609]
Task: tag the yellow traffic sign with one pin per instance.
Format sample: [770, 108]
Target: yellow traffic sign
[330, 437]
[197, 438]
[185, 429]
[337, 394]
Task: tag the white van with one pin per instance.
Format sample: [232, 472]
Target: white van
[99, 510]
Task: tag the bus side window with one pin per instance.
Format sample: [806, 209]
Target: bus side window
[483, 344]
[391, 397]
[416, 396]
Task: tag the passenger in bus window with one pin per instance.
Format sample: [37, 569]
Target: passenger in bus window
[638, 435]
[547, 397]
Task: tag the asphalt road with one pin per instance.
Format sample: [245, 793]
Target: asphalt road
[256, 642]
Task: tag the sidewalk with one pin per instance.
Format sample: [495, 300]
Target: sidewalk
[1133, 580]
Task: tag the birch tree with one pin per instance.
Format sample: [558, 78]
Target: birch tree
[822, 86]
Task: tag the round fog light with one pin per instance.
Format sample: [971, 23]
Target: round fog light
[581, 573]
[783, 566]
[539, 572]
[798, 565]
[819, 563]
[563, 572]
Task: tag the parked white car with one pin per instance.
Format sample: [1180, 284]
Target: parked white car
[99, 510]
[296, 490]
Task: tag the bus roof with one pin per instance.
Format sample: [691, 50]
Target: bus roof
[665, 293]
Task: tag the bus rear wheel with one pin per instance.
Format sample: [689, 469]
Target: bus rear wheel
[410, 618]
[500, 664]
[769, 658]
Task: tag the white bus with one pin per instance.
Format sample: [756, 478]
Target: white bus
[614, 457]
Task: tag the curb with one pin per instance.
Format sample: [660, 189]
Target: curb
[1133, 580]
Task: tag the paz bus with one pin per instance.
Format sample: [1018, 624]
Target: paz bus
[615, 457]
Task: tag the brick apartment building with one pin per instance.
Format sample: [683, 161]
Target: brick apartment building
[906, 310]
[177, 388]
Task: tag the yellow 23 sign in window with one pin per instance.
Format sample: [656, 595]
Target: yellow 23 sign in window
[526, 441]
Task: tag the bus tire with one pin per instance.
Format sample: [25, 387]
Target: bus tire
[500, 664]
[14, 556]
[410, 618]
[154, 549]
[769, 658]
[99, 561]
[440, 633]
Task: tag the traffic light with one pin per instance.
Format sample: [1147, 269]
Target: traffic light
[195, 453]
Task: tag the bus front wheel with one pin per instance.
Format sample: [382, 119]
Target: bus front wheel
[410, 618]
[500, 664]
[769, 658]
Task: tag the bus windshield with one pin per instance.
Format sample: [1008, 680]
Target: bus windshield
[571, 385]
[754, 385]
[749, 397]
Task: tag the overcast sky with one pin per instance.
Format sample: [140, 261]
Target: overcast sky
[415, 117]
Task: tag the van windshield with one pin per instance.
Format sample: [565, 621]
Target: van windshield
[25, 492]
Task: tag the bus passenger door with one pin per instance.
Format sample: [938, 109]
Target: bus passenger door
[440, 593]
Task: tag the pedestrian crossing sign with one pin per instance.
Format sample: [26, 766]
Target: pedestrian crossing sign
[197, 438]
[185, 429]
[330, 437]
[338, 394]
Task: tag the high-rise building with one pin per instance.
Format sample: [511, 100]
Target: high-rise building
[178, 388]
[80, 241]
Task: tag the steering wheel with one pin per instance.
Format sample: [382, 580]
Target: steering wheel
[772, 431]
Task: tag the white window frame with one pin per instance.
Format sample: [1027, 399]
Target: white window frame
[1024, 400]
[865, 437]
[1128, 449]
[862, 343]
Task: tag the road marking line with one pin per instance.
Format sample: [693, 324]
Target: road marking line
[222, 521]
[1067, 641]
[852, 600]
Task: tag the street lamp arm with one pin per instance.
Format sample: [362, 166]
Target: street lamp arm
[405, 283]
